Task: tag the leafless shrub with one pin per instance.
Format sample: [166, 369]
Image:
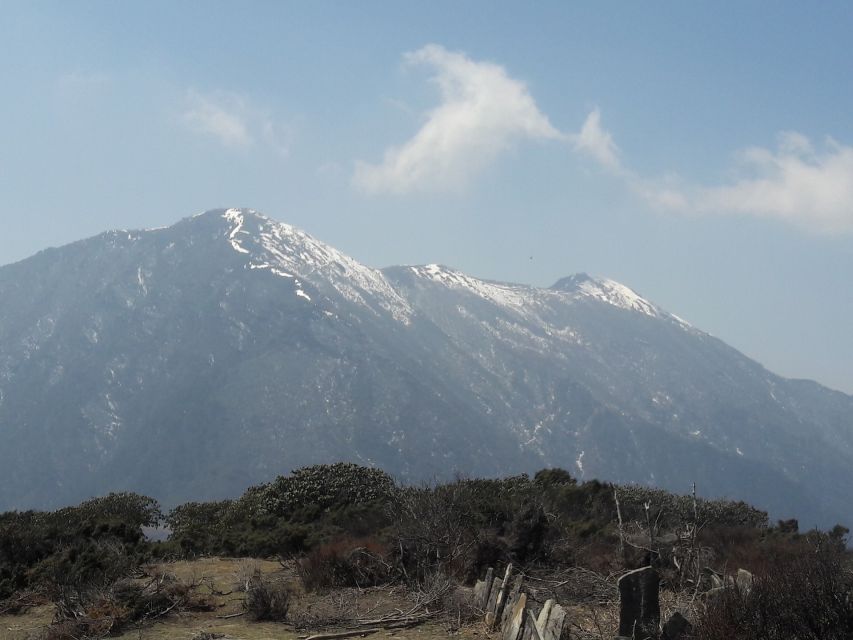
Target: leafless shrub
[455, 602]
[97, 612]
[431, 528]
[267, 599]
[808, 598]
[346, 562]
[575, 585]
[247, 570]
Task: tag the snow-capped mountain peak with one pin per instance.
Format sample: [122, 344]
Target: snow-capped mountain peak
[288, 252]
[582, 285]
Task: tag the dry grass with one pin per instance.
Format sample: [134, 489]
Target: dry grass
[218, 580]
[26, 625]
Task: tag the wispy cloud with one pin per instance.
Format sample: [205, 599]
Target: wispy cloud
[221, 118]
[597, 142]
[482, 112]
[796, 182]
[233, 121]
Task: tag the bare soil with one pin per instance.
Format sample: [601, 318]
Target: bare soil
[222, 582]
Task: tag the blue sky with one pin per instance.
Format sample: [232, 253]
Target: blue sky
[701, 153]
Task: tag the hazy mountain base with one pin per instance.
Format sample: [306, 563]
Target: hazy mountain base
[187, 363]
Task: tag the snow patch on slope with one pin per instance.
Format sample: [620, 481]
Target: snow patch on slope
[235, 216]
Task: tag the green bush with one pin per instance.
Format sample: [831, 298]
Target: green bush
[288, 516]
[320, 487]
[97, 541]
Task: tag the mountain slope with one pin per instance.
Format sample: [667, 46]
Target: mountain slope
[192, 361]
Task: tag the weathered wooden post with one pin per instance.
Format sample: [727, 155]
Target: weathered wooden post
[500, 603]
[513, 626]
[639, 604]
[486, 591]
[506, 609]
[511, 599]
[494, 589]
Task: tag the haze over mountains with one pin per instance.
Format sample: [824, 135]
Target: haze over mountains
[193, 361]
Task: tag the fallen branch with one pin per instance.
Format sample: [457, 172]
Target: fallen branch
[400, 624]
[343, 634]
[395, 619]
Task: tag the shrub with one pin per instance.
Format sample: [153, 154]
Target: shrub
[320, 487]
[673, 510]
[346, 562]
[526, 533]
[267, 600]
[97, 612]
[553, 477]
[95, 542]
[290, 515]
[451, 528]
[807, 597]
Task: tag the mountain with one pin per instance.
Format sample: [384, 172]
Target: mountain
[192, 361]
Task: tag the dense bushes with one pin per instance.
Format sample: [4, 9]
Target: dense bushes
[805, 594]
[672, 510]
[457, 528]
[290, 515]
[95, 542]
[321, 487]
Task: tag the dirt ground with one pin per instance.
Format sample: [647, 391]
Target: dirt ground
[221, 581]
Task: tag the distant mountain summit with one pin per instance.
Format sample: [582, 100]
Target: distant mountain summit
[192, 361]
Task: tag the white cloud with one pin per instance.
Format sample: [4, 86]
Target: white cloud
[795, 182]
[233, 121]
[483, 111]
[218, 119]
[597, 142]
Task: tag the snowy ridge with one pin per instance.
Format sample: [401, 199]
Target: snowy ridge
[530, 301]
[581, 286]
[530, 322]
[289, 252]
[618, 295]
[517, 297]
